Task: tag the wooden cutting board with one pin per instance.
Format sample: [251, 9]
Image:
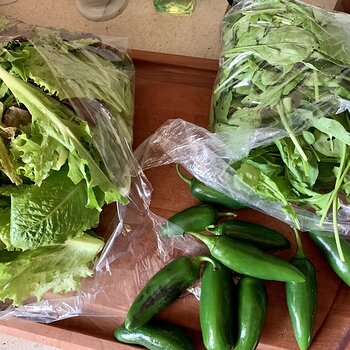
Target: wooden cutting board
[170, 87]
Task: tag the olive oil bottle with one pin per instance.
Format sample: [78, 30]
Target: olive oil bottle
[176, 7]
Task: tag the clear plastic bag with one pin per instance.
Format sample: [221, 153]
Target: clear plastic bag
[280, 113]
[66, 107]
[211, 157]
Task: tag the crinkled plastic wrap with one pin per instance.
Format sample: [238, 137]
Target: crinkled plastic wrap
[260, 100]
[67, 102]
[280, 113]
[268, 90]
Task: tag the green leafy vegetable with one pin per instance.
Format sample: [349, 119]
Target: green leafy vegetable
[57, 267]
[51, 213]
[66, 112]
[286, 65]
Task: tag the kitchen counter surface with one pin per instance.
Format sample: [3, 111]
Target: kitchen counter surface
[197, 35]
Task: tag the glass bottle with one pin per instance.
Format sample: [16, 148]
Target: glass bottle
[100, 10]
[178, 7]
[6, 2]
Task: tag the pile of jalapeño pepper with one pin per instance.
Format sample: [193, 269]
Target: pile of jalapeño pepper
[232, 313]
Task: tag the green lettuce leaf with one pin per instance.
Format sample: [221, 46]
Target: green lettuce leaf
[59, 122]
[5, 213]
[58, 268]
[37, 155]
[6, 165]
[51, 213]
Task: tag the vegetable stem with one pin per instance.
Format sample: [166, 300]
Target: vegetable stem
[182, 176]
[209, 260]
[300, 252]
[337, 185]
[317, 90]
[336, 231]
[292, 136]
[220, 213]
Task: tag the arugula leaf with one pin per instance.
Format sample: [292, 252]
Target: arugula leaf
[302, 174]
[51, 213]
[261, 184]
[285, 66]
[59, 268]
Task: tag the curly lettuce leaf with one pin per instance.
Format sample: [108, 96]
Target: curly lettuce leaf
[49, 214]
[59, 122]
[37, 155]
[72, 63]
[59, 268]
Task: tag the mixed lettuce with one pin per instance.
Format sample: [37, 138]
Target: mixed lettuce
[65, 110]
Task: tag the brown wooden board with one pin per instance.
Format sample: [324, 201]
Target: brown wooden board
[180, 87]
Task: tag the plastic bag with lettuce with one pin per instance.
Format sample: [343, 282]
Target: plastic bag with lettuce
[66, 114]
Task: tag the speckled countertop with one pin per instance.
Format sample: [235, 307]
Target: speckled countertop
[197, 35]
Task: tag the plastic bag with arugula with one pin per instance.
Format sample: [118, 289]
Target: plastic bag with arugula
[280, 112]
[66, 114]
[283, 89]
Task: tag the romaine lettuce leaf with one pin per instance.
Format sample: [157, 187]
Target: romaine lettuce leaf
[5, 214]
[51, 213]
[58, 268]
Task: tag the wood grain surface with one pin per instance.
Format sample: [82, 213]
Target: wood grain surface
[180, 87]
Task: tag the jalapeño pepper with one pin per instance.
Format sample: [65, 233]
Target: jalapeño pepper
[195, 218]
[216, 307]
[252, 306]
[260, 236]
[249, 260]
[207, 194]
[326, 242]
[302, 298]
[155, 336]
[162, 289]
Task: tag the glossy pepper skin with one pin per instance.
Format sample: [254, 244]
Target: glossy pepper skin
[326, 243]
[252, 306]
[260, 236]
[302, 302]
[249, 260]
[207, 194]
[155, 336]
[162, 289]
[195, 219]
[217, 307]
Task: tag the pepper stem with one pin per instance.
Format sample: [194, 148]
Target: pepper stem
[209, 241]
[220, 213]
[208, 259]
[213, 229]
[300, 252]
[182, 176]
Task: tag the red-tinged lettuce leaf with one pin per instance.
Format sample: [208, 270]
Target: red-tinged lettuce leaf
[60, 123]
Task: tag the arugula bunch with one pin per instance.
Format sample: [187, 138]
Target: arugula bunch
[65, 131]
[285, 66]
